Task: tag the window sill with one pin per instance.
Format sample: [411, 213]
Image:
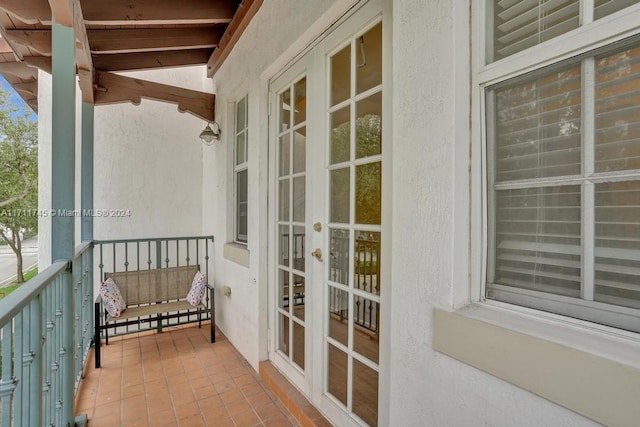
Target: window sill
[236, 252]
[594, 372]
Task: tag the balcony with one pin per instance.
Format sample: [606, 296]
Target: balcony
[176, 378]
[164, 372]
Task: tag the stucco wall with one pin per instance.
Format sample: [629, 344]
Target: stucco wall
[428, 388]
[243, 316]
[148, 161]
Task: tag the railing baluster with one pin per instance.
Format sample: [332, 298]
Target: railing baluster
[158, 254]
[77, 273]
[46, 360]
[57, 365]
[7, 385]
[35, 370]
[66, 348]
[18, 366]
[42, 344]
[166, 245]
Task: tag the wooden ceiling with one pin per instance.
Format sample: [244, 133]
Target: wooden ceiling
[122, 35]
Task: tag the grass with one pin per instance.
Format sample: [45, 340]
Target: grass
[12, 287]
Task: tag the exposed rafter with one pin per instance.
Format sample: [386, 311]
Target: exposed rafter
[30, 88]
[123, 35]
[125, 40]
[30, 12]
[62, 12]
[114, 88]
[84, 61]
[153, 12]
[241, 19]
[40, 62]
[149, 60]
[152, 39]
[38, 40]
[5, 47]
[20, 70]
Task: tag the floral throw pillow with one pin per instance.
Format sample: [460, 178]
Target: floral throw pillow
[198, 286]
[112, 298]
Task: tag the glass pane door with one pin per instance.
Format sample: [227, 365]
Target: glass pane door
[290, 241]
[352, 269]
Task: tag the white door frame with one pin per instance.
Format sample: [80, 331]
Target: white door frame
[315, 66]
[296, 71]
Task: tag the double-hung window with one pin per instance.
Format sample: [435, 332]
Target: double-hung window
[563, 157]
[241, 170]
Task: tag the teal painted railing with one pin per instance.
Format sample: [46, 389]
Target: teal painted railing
[35, 387]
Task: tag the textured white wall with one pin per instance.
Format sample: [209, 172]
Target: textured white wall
[428, 388]
[148, 160]
[242, 317]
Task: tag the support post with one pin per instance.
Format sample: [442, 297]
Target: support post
[62, 195]
[87, 172]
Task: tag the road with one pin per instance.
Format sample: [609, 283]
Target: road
[8, 260]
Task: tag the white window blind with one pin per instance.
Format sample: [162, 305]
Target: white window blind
[565, 175]
[607, 7]
[241, 172]
[520, 24]
[515, 25]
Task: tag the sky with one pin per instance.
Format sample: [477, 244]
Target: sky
[15, 98]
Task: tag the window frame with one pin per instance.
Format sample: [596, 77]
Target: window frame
[239, 168]
[591, 38]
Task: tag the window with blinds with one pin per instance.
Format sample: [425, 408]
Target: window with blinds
[564, 179]
[516, 25]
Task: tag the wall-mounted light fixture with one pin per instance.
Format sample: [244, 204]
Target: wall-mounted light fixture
[210, 134]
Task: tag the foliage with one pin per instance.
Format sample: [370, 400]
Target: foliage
[367, 186]
[18, 175]
[6, 290]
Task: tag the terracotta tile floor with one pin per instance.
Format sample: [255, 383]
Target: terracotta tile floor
[176, 378]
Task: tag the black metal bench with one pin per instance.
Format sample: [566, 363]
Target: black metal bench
[152, 296]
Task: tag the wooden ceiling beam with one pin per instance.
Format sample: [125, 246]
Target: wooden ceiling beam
[38, 40]
[30, 12]
[152, 39]
[114, 88]
[153, 12]
[244, 15]
[84, 61]
[150, 60]
[38, 63]
[19, 69]
[125, 40]
[30, 88]
[62, 12]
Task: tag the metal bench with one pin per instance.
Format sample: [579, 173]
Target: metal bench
[152, 296]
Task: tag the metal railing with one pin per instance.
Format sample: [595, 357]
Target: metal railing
[146, 254]
[44, 349]
[366, 277]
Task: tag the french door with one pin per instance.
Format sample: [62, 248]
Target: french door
[326, 162]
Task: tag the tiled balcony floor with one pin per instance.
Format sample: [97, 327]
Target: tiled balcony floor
[176, 378]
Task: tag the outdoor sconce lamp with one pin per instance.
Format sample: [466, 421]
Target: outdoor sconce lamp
[209, 134]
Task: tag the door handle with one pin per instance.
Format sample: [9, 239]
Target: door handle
[317, 254]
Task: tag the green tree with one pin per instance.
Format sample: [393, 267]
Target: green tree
[368, 195]
[18, 176]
